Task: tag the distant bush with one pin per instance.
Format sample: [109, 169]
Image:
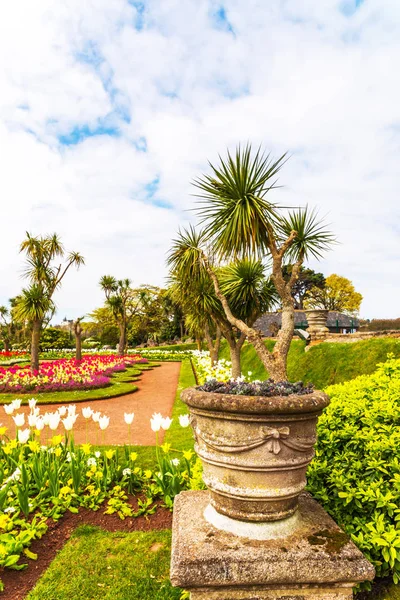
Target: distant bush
[356, 471]
[380, 325]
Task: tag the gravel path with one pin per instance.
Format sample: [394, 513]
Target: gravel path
[156, 393]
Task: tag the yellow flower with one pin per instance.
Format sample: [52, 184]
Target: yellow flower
[109, 453]
[99, 475]
[7, 449]
[37, 432]
[166, 448]
[58, 451]
[56, 440]
[34, 446]
[188, 454]
[148, 474]
[64, 491]
[13, 444]
[3, 430]
[86, 448]
[133, 456]
[4, 519]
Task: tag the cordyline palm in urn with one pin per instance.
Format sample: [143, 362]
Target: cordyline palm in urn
[255, 440]
[239, 221]
[45, 273]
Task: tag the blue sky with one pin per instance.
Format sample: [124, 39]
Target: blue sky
[109, 109]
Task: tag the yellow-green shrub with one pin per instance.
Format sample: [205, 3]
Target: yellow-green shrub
[356, 471]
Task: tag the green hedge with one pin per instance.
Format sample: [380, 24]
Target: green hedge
[356, 471]
[324, 364]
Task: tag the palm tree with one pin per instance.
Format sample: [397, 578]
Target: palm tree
[5, 327]
[35, 304]
[243, 282]
[124, 303]
[239, 221]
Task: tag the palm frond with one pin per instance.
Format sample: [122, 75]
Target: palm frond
[233, 206]
[313, 236]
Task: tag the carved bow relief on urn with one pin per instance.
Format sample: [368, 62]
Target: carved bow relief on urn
[273, 438]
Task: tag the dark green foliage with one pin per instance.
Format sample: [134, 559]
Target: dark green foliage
[54, 338]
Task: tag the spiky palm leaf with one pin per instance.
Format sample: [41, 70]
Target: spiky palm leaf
[33, 304]
[248, 291]
[313, 237]
[186, 256]
[233, 205]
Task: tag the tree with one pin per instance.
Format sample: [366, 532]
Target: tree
[35, 304]
[307, 280]
[5, 328]
[239, 221]
[338, 294]
[78, 330]
[124, 302]
[243, 282]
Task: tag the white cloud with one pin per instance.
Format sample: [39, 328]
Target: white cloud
[316, 78]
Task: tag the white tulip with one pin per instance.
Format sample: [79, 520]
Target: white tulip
[39, 423]
[87, 412]
[184, 420]
[46, 418]
[54, 420]
[155, 422]
[166, 423]
[9, 409]
[16, 404]
[23, 435]
[19, 419]
[129, 418]
[104, 422]
[68, 422]
[71, 409]
[62, 411]
[32, 403]
[32, 419]
[96, 416]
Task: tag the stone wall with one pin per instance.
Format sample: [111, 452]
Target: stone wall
[349, 338]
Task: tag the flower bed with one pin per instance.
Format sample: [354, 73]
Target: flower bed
[43, 475]
[15, 355]
[65, 374]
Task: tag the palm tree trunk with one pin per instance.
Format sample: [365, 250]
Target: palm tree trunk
[7, 345]
[78, 346]
[213, 347]
[122, 339]
[36, 327]
[198, 343]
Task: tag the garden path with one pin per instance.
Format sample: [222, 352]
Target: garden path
[156, 393]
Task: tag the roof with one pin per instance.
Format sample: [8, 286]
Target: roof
[335, 319]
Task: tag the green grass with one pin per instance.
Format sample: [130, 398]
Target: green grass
[181, 438]
[96, 565]
[121, 383]
[324, 364]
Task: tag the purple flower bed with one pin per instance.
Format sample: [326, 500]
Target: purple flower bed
[266, 388]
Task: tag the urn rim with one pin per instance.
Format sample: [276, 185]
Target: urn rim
[234, 403]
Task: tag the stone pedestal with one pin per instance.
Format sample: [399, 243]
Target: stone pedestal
[306, 557]
[317, 324]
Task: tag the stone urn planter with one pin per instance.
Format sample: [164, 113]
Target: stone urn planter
[317, 319]
[255, 450]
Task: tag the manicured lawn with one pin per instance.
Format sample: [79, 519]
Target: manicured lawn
[96, 565]
[324, 364]
[181, 438]
[121, 383]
